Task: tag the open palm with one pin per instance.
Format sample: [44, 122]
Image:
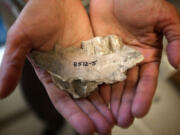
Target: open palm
[41, 25]
[141, 24]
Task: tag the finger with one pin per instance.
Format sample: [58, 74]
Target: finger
[145, 89]
[117, 90]
[100, 105]
[17, 47]
[170, 25]
[65, 105]
[105, 92]
[125, 117]
[101, 124]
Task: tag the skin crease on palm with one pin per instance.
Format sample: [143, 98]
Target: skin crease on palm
[41, 25]
[140, 23]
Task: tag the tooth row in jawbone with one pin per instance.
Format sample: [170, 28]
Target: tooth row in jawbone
[79, 71]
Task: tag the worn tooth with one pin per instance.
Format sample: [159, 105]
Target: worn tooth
[79, 71]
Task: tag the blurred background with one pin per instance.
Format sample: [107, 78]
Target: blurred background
[18, 118]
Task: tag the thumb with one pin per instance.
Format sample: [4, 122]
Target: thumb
[173, 51]
[17, 47]
[171, 29]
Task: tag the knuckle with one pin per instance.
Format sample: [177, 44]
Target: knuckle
[73, 115]
[116, 99]
[148, 78]
[14, 64]
[130, 83]
[62, 98]
[14, 35]
[17, 37]
[127, 101]
[91, 111]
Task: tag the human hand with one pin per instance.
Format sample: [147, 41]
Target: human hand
[41, 25]
[141, 24]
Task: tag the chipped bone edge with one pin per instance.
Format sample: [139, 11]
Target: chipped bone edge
[103, 46]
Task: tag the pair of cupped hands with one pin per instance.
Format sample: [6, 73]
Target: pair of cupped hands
[140, 23]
